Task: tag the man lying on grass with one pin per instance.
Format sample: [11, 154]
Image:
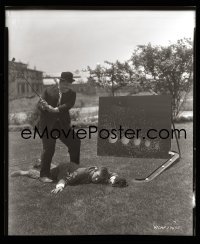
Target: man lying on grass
[72, 174]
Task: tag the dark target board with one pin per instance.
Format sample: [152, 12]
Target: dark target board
[139, 115]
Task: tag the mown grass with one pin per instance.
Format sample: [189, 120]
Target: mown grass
[98, 209]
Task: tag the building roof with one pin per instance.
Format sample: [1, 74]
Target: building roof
[23, 66]
[55, 75]
[49, 81]
[81, 77]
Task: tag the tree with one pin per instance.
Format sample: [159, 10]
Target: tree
[77, 71]
[112, 76]
[166, 70]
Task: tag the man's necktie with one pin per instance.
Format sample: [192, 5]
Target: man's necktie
[59, 99]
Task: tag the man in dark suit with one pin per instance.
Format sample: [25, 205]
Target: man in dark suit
[54, 106]
[71, 174]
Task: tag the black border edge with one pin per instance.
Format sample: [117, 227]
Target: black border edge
[4, 88]
[105, 6]
[4, 121]
[194, 133]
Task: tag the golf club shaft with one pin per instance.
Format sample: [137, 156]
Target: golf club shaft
[32, 88]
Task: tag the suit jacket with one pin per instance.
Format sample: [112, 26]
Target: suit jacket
[74, 174]
[51, 96]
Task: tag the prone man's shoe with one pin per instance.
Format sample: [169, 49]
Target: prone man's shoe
[45, 179]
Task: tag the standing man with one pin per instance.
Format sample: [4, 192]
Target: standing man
[54, 106]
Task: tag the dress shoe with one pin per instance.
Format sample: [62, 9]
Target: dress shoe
[45, 179]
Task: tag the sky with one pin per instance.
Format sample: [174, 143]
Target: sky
[65, 40]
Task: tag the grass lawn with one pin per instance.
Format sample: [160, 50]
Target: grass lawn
[162, 206]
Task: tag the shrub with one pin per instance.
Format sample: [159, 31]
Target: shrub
[17, 118]
[183, 119]
[75, 114]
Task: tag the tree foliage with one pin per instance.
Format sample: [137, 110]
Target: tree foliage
[159, 69]
[112, 76]
[166, 70]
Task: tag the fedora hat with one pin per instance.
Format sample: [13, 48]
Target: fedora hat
[67, 76]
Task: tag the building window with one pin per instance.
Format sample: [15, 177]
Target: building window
[12, 77]
[18, 89]
[23, 88]
[36, 87]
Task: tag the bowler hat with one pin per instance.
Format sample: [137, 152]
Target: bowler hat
[67, 76]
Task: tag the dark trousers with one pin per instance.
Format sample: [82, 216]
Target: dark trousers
[61, 171]
[72, 142]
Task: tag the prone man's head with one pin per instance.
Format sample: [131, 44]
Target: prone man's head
[101, 175]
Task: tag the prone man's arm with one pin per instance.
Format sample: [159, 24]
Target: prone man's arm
[59, 186]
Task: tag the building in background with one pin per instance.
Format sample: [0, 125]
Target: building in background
[18, 87]
[79, 85]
